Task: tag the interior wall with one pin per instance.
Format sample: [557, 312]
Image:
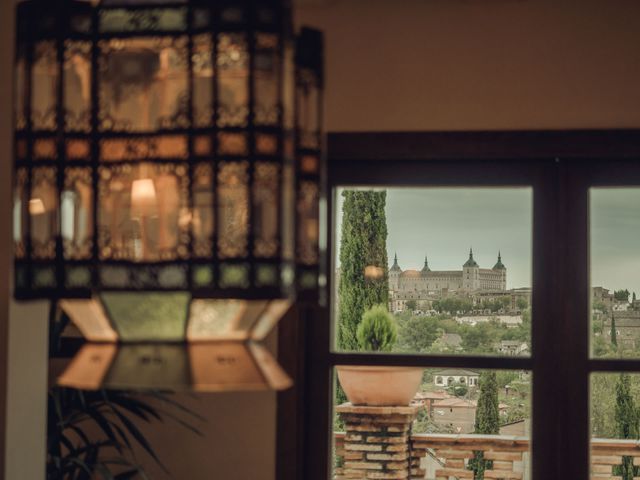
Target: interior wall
[6, 39]
[23, 327]
[238, 440]
[479, 64]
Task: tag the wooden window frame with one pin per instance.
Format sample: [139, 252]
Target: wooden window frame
[560, 166]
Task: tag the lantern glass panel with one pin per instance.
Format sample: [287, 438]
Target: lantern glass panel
[234, 275]
[77, 213]
[233, 209]
[90, 318]
[145, 147]
[77, 85]
[148, 316]
[223, 319]
[267, 79]
[265, 208]
[266, 144]
[232, 143]
[202, 64]
[78, 276]
[288, 88]
[153, 19]
[43, 210]
[77, 149]
[45, 149]
[149, 366]
[143, 212]
[20, 97]
[233, 80]
[20, 213]
[308, 223]
[228, 366]
[143, 84]
[44, 86]
[203, 220]
[308, 105]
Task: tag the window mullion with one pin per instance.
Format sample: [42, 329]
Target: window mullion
[559, 328]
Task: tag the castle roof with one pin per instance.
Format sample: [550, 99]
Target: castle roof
[395, 267]
[410, 273]
[471, 262]
[499, 265]
[442, 273]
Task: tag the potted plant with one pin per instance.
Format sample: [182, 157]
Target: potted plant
[373, 385]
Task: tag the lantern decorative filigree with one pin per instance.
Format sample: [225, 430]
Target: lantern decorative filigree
[157, 149]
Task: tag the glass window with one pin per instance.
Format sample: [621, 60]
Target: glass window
[449, 267]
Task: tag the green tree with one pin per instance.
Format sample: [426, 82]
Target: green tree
[377, 332]
[417, 334]
[621, 295]
[598, 306]
[363, 243]
[411, 305]
[614, 332]
[479, 338]
[458, 389]
[487, 413]
[521, 303]
[626, 417]
[487, 419]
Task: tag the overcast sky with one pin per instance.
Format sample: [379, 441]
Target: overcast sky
[615, 238]
[444, 223]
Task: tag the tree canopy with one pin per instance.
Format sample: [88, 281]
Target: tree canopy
[363, 243]
[621, 295]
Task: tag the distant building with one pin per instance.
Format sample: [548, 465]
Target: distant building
[428, 399]
[426, 285]
[471, 278]
[627, 328]
[459, 413]
[602, 296]
[513, 347]
[451, 376]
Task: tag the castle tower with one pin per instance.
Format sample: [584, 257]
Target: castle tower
[394, 274]
[470, 274]
[499, 267]
[426, 268]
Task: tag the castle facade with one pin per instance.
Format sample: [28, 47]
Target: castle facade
[471, 279]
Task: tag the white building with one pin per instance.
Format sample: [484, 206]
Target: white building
[452, 376]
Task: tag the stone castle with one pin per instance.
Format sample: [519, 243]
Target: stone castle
[471, 279]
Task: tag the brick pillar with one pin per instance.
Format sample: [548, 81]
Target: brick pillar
[377, 441]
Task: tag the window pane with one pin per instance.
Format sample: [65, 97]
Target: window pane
[459, 422]
[433, 270]
[614, 425]
[615, 278]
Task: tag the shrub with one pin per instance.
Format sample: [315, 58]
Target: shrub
[377, 331]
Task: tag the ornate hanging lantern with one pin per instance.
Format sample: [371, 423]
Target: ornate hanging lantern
[155, 163]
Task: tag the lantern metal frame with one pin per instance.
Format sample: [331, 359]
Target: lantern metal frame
[48, 155]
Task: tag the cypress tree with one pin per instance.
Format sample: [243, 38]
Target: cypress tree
[363, 243]
[626, 417]
[614, 334]
[487, 412]
[487, 419]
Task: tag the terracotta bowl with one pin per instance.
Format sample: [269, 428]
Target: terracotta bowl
[380, 386]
